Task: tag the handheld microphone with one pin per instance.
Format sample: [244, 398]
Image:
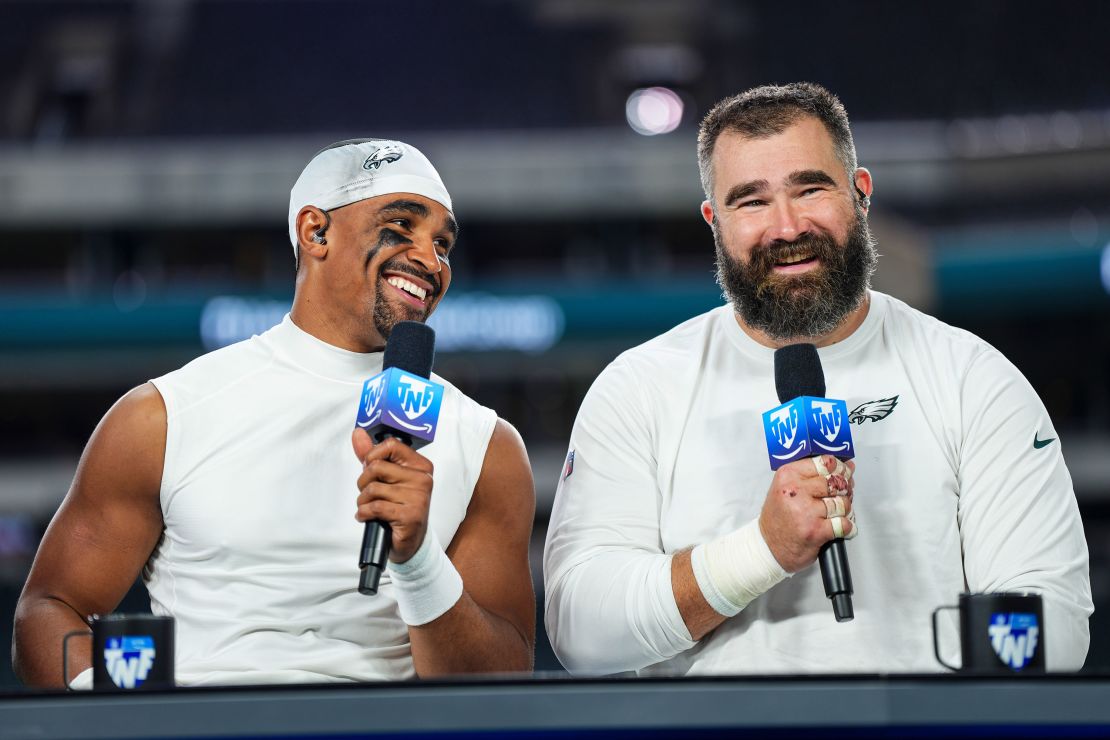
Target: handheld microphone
[808, 425]
[398, 402]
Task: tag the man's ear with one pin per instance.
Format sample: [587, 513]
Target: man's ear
[865, 185]
[707, 212]
[312, 225]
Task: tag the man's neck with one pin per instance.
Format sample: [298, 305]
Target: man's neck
[332, 330]
[843, 330]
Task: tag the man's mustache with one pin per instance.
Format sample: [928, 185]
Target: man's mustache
[818, 245]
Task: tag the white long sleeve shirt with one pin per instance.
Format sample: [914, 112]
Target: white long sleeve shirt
[956, 490]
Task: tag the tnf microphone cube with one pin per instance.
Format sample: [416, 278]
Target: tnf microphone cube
[805, 427]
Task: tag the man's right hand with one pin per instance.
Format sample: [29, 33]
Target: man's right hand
[797, 514]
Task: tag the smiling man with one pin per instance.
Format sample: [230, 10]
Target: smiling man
[672, 547]
[235, 485]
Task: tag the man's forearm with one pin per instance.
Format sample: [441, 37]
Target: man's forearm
[40, 625]
[699, 616]
[662, 601]
[614, 613]
[469, 639]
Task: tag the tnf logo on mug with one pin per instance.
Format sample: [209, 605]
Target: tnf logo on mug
[1014, 637]
[129, 659]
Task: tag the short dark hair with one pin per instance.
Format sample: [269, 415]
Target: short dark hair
[769, 110]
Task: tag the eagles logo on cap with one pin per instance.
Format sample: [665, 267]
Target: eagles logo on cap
[383, 155]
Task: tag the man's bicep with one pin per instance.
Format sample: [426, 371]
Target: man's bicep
[608, 494]
[1019, 520]
[110, 520]
[490, 549]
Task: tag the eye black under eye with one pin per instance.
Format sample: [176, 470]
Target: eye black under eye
[391, 238]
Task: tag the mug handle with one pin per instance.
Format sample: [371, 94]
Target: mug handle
[65, 654]
[936, 639]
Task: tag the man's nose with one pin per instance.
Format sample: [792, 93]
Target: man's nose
[788, 221]
[423, 252]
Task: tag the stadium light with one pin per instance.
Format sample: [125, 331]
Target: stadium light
[653, 110]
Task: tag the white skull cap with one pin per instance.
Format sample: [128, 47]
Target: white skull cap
[353, 170]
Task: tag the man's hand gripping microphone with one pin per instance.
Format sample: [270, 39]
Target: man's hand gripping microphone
[399, 402]
[807, 425]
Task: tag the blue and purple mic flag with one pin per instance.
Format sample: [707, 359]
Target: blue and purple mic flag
[399, 402]
[805, 427]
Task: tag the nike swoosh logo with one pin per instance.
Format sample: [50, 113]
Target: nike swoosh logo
[1039, 443]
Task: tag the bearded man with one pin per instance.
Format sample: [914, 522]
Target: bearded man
[236, 487]
[673, 549]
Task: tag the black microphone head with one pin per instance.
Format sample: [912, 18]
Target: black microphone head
[798, 372]
[411, 347]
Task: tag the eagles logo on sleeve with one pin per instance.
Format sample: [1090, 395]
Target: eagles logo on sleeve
[873, 410]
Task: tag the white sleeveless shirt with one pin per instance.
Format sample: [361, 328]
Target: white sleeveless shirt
[258, 561]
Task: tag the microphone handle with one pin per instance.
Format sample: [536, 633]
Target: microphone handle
[837, 578]
[376, 539]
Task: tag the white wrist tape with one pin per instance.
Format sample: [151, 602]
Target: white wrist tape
[733, 570]
[82, 681]
[426, 585]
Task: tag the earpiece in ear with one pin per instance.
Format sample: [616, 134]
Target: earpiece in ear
[318, 235]
[864, 200]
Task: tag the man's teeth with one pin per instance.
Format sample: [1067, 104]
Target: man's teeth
[795, 259]
[408, 287]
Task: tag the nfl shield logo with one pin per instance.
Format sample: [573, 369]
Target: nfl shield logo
[1014, 637]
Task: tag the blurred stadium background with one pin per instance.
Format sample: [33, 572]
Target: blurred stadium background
[147, 149]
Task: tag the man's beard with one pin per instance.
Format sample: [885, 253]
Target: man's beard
[811, 304]
[386, 313]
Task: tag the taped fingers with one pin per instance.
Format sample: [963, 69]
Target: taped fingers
[838, 486]
[835, 506]
[839, 467]
[844, 526]
[819, 463]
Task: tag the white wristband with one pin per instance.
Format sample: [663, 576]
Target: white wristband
[733, 570]
[82, 681]
[426, 585]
